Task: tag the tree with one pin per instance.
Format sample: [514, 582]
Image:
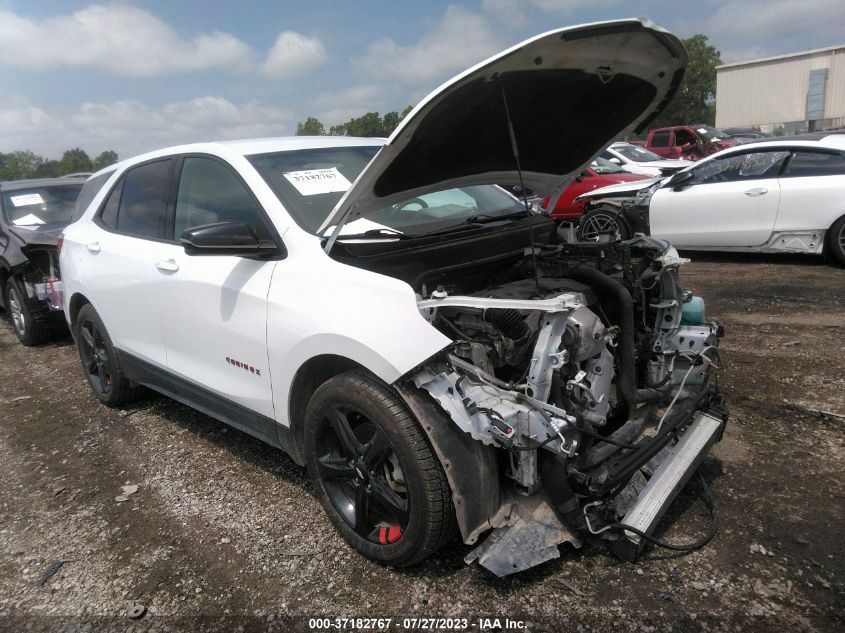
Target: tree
[106, 158]
[20, 164]
[74, 160]
[695, 101]
[370, 124]
[311, 127]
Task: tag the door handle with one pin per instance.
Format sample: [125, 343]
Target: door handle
[759, 191]
[94, 247]
[168, 265]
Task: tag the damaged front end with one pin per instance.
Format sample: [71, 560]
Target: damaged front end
[39, 276]
[585, 386]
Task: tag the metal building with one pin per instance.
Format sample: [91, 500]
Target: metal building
[798, 92]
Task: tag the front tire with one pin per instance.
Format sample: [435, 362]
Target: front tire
[29, 328]
[99, 360]
[374, 471]
[602, 221]
[836, 241]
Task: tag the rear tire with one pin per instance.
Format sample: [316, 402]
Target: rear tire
[836, 241]
[31, 329]
[100, 361]
[602, 221]
[374, 471]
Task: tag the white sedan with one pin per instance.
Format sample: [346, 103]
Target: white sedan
[783, 195]
[638, 160]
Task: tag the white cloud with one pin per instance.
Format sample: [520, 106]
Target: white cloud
[461, 39]
[339, 106]
[769, 20]
[515, 12]
[749, 29]
[131, 127]
[121, 40]
[294, 54]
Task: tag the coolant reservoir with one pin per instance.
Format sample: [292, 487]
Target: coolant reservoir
[692, 312]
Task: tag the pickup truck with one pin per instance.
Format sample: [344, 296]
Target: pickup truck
[689, 142]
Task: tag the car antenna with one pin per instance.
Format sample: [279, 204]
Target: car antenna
[515, 151]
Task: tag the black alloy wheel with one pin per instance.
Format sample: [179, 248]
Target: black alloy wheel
[836, 241]
[99, 360]
[375, 472]
[362, 476]
[95, 358]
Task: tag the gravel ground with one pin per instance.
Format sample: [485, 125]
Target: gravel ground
[223, 532]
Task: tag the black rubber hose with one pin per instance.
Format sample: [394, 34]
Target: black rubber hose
[617, 303]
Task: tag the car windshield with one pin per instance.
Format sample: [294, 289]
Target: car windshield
[40, 205]
[636, 153]
[311, 182]
[603, 166]
[710, 133]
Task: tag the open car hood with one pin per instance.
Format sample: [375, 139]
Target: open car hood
[568, 91]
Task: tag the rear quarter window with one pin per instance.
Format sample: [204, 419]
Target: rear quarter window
[815, 164]
[89, 191]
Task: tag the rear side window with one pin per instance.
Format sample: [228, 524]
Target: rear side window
[210, 192]
[660, 139]
[142, 209]
[815, 164]
[89, 191]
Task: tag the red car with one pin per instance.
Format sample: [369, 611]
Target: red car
[600, 173]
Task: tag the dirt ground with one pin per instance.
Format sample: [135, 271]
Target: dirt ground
[225, 533]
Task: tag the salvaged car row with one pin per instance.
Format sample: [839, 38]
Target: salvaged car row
[440, 357]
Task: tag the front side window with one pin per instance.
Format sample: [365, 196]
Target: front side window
[815, 164]
[210, 192]
[684, 137]
[142, 210]
[740, 167]
[40, 205]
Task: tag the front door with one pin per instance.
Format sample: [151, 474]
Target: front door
[214, 308]
[730, 201]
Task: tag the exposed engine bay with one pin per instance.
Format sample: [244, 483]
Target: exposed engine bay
[591, 379]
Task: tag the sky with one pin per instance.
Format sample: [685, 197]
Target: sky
[134, 76]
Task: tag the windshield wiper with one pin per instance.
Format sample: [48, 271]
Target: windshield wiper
[484, 218]
[475, 222]
[376, 233]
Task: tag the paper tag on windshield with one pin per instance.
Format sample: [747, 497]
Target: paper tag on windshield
[27, 199]
[310, 182]
[701, 130]
[28, 220]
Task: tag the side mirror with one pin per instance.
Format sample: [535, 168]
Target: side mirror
[226, 238]
[615, 161]
[680, 180]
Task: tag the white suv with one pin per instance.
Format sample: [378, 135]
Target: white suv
[428, 348]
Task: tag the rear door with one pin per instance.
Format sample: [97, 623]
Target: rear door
[812, 190]
[214, 308]
[117, 261]
[730, 201]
